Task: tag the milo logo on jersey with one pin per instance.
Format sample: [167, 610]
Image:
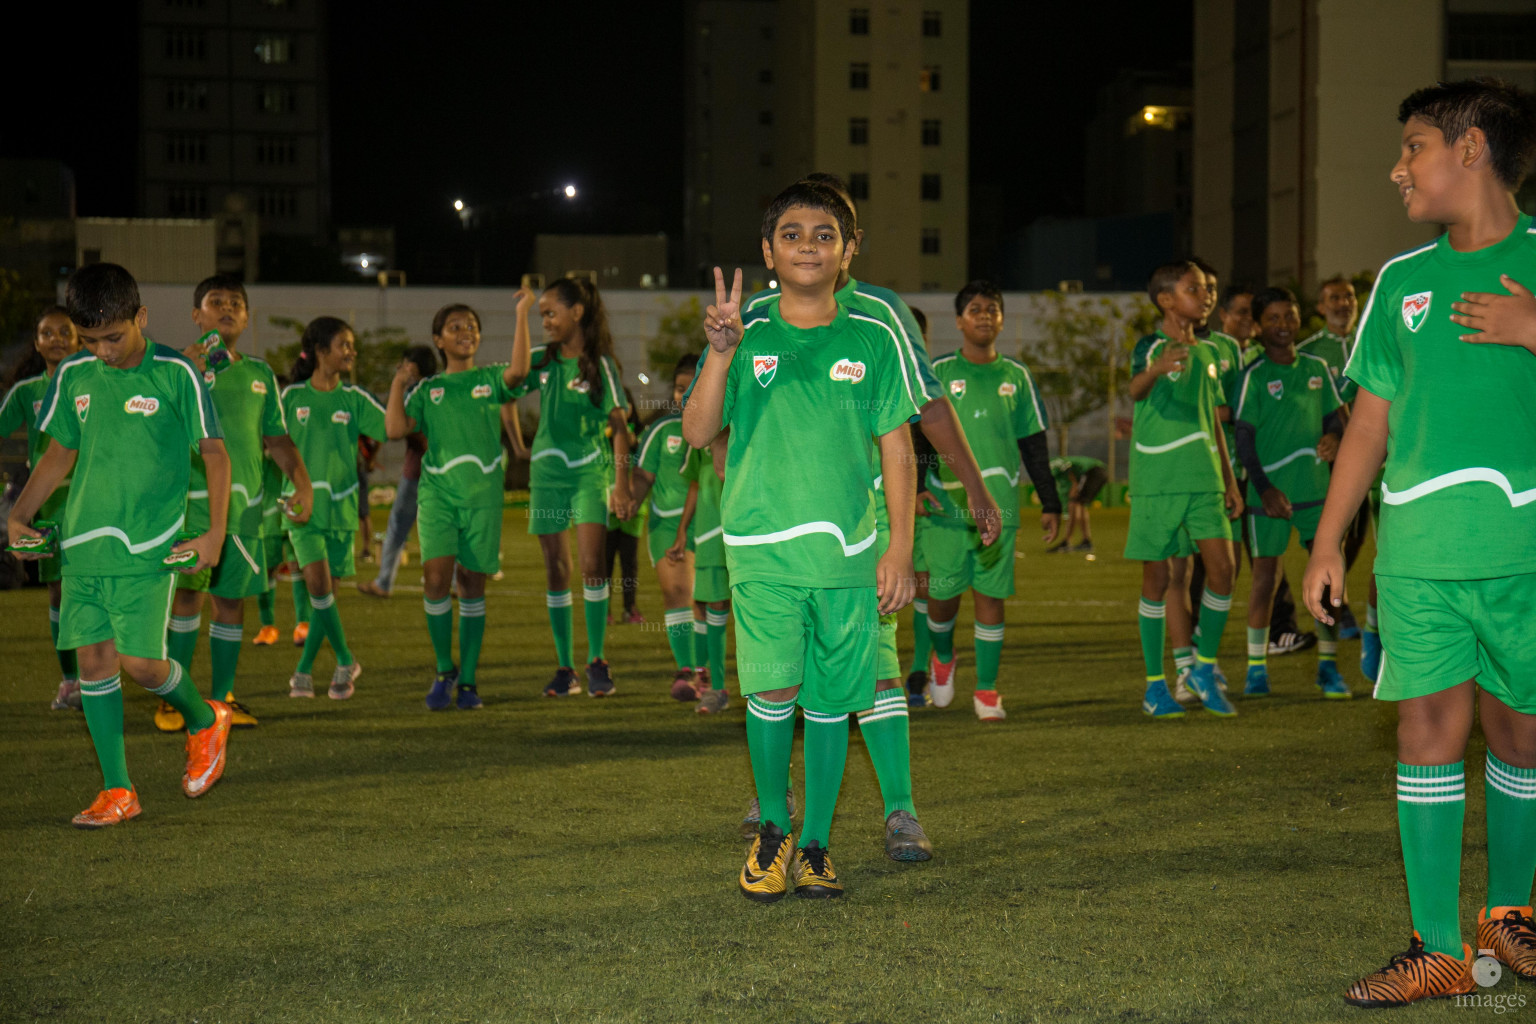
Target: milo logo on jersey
[578, 384]
[1415, 309]
[847, 369]
[142, 405]
[1314, 383]
[674, 444]
[436, 394]
[764, 367]
[82, 406]
[481, 391]
[302, 412]
[1007, 389]
[1277, 389]
[341, 416]
[259, 387]
[957, 388]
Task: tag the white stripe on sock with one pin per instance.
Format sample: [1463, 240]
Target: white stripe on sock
[769, 712]
[443, 607]
[320, 604]
[1258, 650]
[560, 600]
[225, 631]
[186, 623]
[1150, 610]
[1216, 602]
[679, 618]
[53, 615]
[172, 680]
[472, 609]
[920, 606]
[717, 619]
[940, 627]
[823, 718]
[981, 632]
[101, 687]
[595, 593]
[1509, 785]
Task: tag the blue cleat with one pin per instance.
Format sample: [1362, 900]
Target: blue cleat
[1221, 678]
[1370, 655]
[1203, 681]
[469, 699]
[1159, 703]
[1257, 683]
[1331, 682]
[441, 694]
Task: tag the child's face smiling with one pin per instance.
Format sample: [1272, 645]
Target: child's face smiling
[461, 336]
[1426, 173]
[56, 339]
[558, 320]
[340, 357]
[222, 311]
[807, 249]
[1278, 324]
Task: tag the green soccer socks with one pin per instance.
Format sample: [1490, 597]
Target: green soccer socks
[1150, 619]
[471, 635]
[1327, 642]
[1431, 803]
[989, 654]
[440, 629]
[701, 638]
[826, 754]
[224, 640]
[1214, 609]
[770, 735]
[301, 603]
[1258, 647]
[325, 623]
[921, 643]
[179, 693]
[884, 728]
[559, 605]
[595, 600]
[102, 702]
[680, 637]
[716, 625]
[181, 638]
[1511, 794]
[942, 636]
[266, 606]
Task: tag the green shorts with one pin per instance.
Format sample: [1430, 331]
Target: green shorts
[556, 507]
[1167, 525]
[1268, 538]
[131, 611]
[657, 541]
[1438, 633]
[273, 546]
[50, 570]
[335, 546]
[471, 535]
[888, 660]
[919, 555]
[954, 566]
[242, 568]
[711, 584]
[823, 641]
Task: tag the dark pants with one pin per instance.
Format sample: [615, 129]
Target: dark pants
[627, 548]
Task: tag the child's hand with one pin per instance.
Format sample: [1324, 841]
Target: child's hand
[208, 548]
[926, 499]
[407, 373]
[619, 501]
[986, 515]
[195, 352]
[1234, 500]
[1050, 525]
[1328, 447]
[722, 321]
[302, 503]
[1499, 319]
[1325, 572]
[18, 531]
[525, 299]
[895, 582]
[1171, 359]
[1276, 504]
[677, 550]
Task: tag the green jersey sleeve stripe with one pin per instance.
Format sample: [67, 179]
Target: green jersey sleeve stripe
[12, 393]
[1242, 390]
[906, 375]
[203, 399]
[904, 344]
[651, 434]
[758, 301]
[58, 389]
[1370, 304]
[1034, 393]
[366, 394]
[1326, 372]
[610, 374]
[415, 388]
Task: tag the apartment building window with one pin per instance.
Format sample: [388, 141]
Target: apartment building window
[277, 150]
[275, 98]
[858, 185]
[933, 24]
[186, 44]
[930, 78]
[277, 203]
[930, 241]
[932, 188]
[186, 149]
[858, 131]
[932, 136]
[187, 201]
[858, 76]
[858, 21]
[275, 49]
[186, 96]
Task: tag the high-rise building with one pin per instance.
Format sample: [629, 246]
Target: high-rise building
[233, 112]
[876, 93]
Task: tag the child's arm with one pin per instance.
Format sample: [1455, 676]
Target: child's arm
[514, 428]
[285, 453]
[50, 471]
[619, 500]
[522, 344]
[396, 423]
[211, 544]
[1499, 319]
[1234, 498]
[941, 426]
[1361, 455]
[895, 583]
[1276, 504]
[719, 448]
[640, 482]
[1035, 454]
[1171, 359]
[676, 551]
[704, 414]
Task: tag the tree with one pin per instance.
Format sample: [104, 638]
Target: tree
[1072, 364]
[680, 332]
[379, 351]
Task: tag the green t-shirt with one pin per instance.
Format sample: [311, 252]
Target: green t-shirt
[1334, 351]
[272, 483]
[1458, 498]
[1173, 429]
[1229, 368]
[708, 532]
[23, 406]
[572, 435]
[805, 407]
[664, 455]
[325, 426]
[1286, 405]
[997, 403]
[1064, 467]
[132, 429]
[246, 395]
[460, 413]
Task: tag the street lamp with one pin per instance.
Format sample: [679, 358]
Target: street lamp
[570, 191]
[458, 204]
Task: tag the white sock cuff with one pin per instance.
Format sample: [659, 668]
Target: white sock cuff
[443, 607]
[186, 623]
[1216, 602]
[717, 619]
[172, 680]
[1259, 650]
[679, 617]
[768, 711]
[921, 605]
[981, 631]
[595, 593]
[320, 604]
[472, 609]
[822, 718]
[888, 704]
[53, 615]
[1443, 790]
[1327, 647]
[940, 627]
[1151, 609]
[1519, 783]
[226, 631]
[101, 687]
[557, 600]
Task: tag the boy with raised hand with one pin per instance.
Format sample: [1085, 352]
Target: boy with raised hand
[122, 416]
[1450, 383]
[1005, 426]
[805, 374]
[1288, 426]
[1183, 492]
[246, 394]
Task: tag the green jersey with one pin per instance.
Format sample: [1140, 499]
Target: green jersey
[1065, 467]
[1229, 368]
[325, 426]
[804, 407]
[23, 406]
[460, 413]
[1334, 351]
[272, 482]
[1458, 497]
[1286, 404]
[708, 531]
[132, 429]
[998, 404]
[246, 395]
[572, 434]
[664, 455]
[1173, 429]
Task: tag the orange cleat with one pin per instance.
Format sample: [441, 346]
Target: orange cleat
[111, 807]
[1509, 934]
[300, 634]
[265, 637]
[1414, 975]
[205, 752]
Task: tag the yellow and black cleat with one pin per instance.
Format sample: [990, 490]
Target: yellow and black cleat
[765, 876]
[815, 878]
[168, 719]
[240, 715]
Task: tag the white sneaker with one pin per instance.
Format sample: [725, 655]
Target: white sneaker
[991, 708]
[1181, 693]
[941, 681]
[301, 684]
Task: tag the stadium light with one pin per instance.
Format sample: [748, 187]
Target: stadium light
[458, 204]
[570, 191]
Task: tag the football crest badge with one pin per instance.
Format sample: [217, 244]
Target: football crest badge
[764, 367]
[957, 388]
[436, 394]
[1277, 389]
[302, 412]
[1415, 309]
[82, 406]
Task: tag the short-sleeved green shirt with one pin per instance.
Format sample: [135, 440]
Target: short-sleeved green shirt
[1064, 467]
[664, 455]
[1286, 404]
[997, 403]
[708, 531]
[23, 406]
[325, 426]
[572, 437]
[460, 413]
[272, 479]
[804, 407]
[1173, 429]
[1229, 367]
[246, 395]
[1458, 496]
[1334, 351]
[132, 429]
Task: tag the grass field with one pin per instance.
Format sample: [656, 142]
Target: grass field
[575, 861]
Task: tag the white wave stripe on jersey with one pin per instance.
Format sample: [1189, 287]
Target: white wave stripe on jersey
[1470, 475]
[803, 530]
[496, 464]
[1158, 449]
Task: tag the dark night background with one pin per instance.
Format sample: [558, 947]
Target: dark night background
[493, 102]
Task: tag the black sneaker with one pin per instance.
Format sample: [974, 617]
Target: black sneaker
[917, 689]
[1291, 643]
[561, 685]
[814, 876]
[1086, 547]
[905, 839]
[599, 679]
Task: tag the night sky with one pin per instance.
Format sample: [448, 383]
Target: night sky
[493, 102]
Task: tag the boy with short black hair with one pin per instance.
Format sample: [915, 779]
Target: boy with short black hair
[1183, 491]
[1450, 382]
[122, 416]
[805, 373]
